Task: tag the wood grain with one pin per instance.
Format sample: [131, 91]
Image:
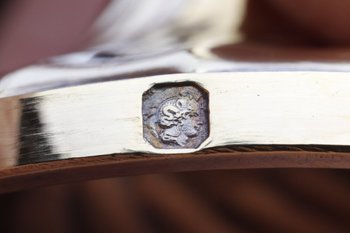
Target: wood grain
[74, 170]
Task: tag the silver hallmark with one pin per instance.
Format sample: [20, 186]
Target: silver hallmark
[175, 116]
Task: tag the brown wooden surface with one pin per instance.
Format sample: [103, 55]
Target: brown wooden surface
[73, 170]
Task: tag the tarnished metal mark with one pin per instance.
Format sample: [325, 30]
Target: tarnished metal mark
[175, 115]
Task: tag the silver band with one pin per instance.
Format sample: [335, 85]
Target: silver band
[292, 105]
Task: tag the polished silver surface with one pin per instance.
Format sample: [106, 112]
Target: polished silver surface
[127, 97]
[246, 108]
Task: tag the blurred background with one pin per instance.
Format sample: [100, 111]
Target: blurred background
[274, 200]
[255, 200]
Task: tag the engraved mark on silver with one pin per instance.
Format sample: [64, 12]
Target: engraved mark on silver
[175, 119]
[175, 116]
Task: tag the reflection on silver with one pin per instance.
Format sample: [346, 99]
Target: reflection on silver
[93, 103]
[33, 141]
[283, 108]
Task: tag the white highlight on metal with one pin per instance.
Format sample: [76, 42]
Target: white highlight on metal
[245, 108]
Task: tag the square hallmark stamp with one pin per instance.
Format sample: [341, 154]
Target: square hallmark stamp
[175, 115]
